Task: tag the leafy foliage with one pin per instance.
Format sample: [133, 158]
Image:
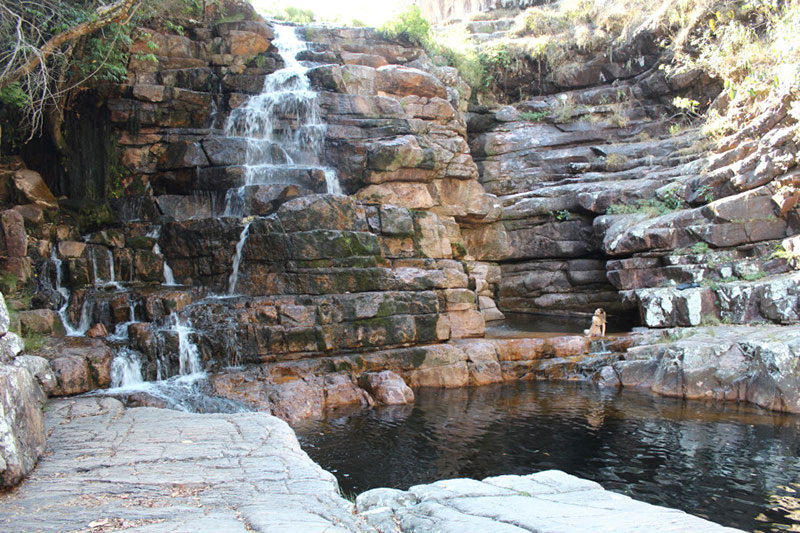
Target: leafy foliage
[409, 25]
[296, 15]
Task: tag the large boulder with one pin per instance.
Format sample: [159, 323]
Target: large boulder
[22, 433]
[31, 184]
[80, 364]
[754, 364]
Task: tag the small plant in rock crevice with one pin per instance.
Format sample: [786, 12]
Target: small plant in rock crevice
[534, 116]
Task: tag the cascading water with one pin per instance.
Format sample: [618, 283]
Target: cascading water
[83, 325]
[188, 355]
[126, 368]
[237, 259]
[111, 282]
[281, 126]
[169, 277]
[185, 391]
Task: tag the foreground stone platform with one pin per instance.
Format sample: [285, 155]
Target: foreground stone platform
[108, 468]
[551, 501]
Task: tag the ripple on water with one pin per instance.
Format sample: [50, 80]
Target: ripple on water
[736, 465]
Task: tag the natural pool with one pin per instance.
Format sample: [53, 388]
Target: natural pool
[735, 465]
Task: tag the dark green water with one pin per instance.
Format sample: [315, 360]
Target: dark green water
[735, 465]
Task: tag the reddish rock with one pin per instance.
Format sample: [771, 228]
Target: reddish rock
[98, 330]
[369, 60]
[31, 184]
[80, 364]
[13, 239]
[32, 213]
[40, 321]
[71, 249]
[403, 81]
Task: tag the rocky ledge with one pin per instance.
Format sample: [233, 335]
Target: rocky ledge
[110, 468]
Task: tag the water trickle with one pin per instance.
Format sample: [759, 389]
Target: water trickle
[98, 280]
[169, 277]
[282, 127]
[83, 326]
[598, 347]
[237, 259]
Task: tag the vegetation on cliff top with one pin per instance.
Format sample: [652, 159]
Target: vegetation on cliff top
[751, 46]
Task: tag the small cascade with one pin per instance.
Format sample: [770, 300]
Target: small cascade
[121, 329]
[188, 355]
[332, 182]
[126, 368]
[187, 391]
[282, 127]
[169, 277]
[84, 325]
[99, 282]
[237, 259]
[598, 347]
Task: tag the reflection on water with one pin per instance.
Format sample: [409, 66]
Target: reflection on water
[735, 465]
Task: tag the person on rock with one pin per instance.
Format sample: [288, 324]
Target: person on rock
[598, 327]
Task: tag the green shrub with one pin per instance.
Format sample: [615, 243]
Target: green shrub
[534, 116]
[700, 248]
[652, 207]
[296, 15]
[409, 25]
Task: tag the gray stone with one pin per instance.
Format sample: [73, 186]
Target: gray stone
[161, 470]
[39, 368]
[10, 346]
[545, 501]
[22, 434]
[5, 320]
[386, 387]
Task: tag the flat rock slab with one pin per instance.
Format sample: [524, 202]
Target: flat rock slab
[550, 501]
[108, 468]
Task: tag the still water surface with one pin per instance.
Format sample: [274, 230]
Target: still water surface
[735, 465]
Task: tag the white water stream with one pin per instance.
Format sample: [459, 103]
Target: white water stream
[282, 127]
[237, 259]
[83, 326]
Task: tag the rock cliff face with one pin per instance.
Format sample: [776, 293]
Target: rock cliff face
[232, 247]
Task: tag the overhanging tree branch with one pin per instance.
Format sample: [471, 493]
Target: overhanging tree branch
[105, 15]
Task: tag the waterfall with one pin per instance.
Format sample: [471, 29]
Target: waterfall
[83, 326]
[126, 368]
[282, 127]
[169, 277]
[189, 356]
[111, 282]
[237, 259]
